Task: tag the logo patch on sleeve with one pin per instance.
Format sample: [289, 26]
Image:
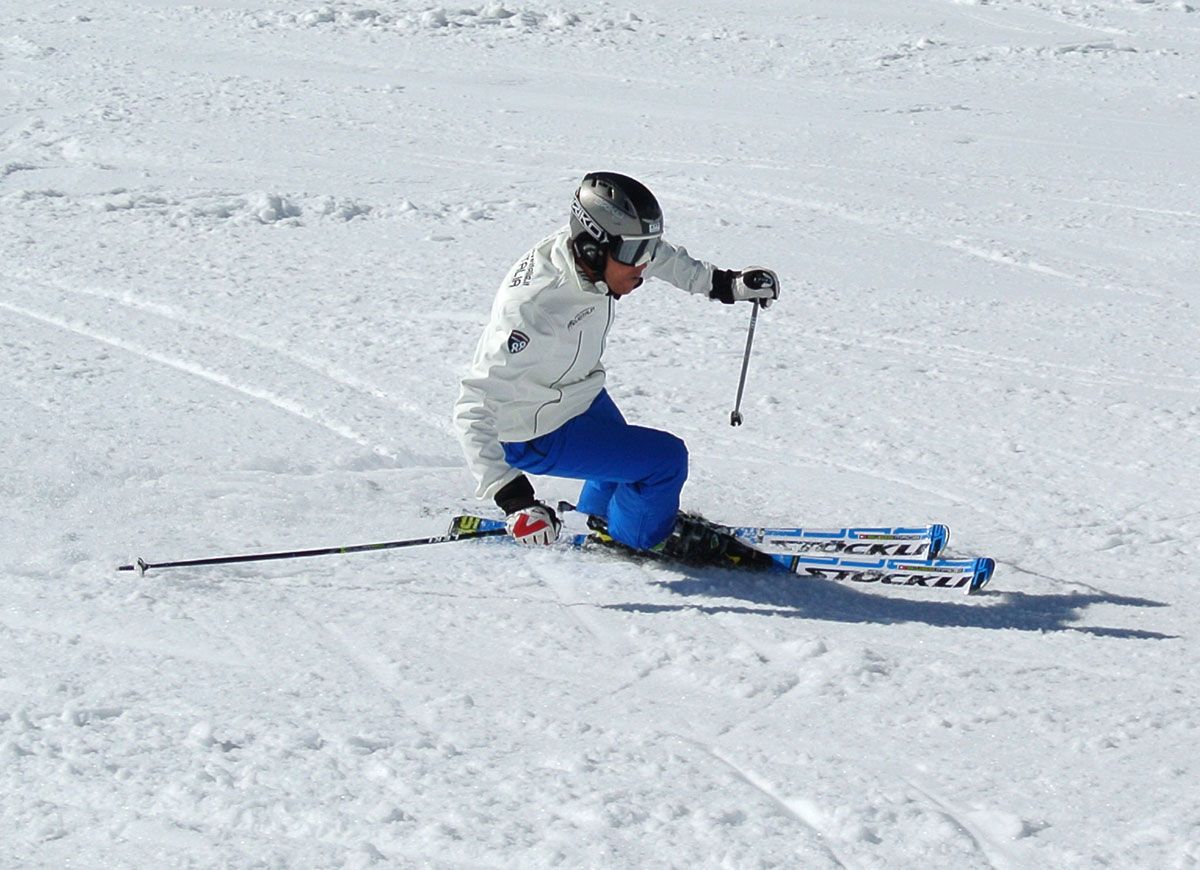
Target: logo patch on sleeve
[517, 341]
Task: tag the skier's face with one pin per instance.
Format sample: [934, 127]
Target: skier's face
[620, 278]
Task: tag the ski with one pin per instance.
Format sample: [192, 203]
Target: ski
[969, 575]
[919, 542]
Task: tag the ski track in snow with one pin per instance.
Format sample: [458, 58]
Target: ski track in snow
[282, 403]
[105, 637]
[996, 856]
[568, 591]
[799, 809]
[149, 336]
[321, 368]
[245, 262]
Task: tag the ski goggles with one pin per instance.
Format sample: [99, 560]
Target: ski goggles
[634, 250]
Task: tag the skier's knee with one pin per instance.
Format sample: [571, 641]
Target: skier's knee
[676, 455]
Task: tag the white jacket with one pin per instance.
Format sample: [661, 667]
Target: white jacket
[537, 364]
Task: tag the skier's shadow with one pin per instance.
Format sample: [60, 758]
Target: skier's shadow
[805, 598]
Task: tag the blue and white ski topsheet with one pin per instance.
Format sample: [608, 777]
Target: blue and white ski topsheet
[969, 575]
[919, 542]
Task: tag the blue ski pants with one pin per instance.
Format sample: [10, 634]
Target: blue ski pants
[633, 474]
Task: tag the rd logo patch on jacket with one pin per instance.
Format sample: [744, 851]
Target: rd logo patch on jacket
[517, 341]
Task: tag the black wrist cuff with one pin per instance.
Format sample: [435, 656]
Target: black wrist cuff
[722, 285]
[516, 495]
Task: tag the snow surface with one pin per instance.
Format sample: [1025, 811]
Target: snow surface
[245, 251]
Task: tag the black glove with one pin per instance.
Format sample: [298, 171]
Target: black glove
[528, 520]
[757, 283]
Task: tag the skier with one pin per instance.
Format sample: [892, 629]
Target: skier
[534, 398]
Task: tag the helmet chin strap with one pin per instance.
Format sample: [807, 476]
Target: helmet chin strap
[620, 296]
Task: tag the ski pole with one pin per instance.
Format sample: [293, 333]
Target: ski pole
[458, 532]
[735, 418]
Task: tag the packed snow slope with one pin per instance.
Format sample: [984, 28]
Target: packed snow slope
[245, 252]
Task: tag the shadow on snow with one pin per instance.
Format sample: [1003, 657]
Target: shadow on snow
[803, 598]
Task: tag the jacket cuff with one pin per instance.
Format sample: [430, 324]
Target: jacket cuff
[516, 495]
[722, 285]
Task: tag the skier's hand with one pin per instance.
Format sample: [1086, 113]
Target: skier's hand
[534, 525]
[528, 520]
[757, 283]
[754, 284]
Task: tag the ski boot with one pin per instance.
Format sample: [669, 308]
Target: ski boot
[693, 541]
[697, 541]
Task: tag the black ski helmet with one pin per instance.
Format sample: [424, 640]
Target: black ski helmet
[615, 216]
